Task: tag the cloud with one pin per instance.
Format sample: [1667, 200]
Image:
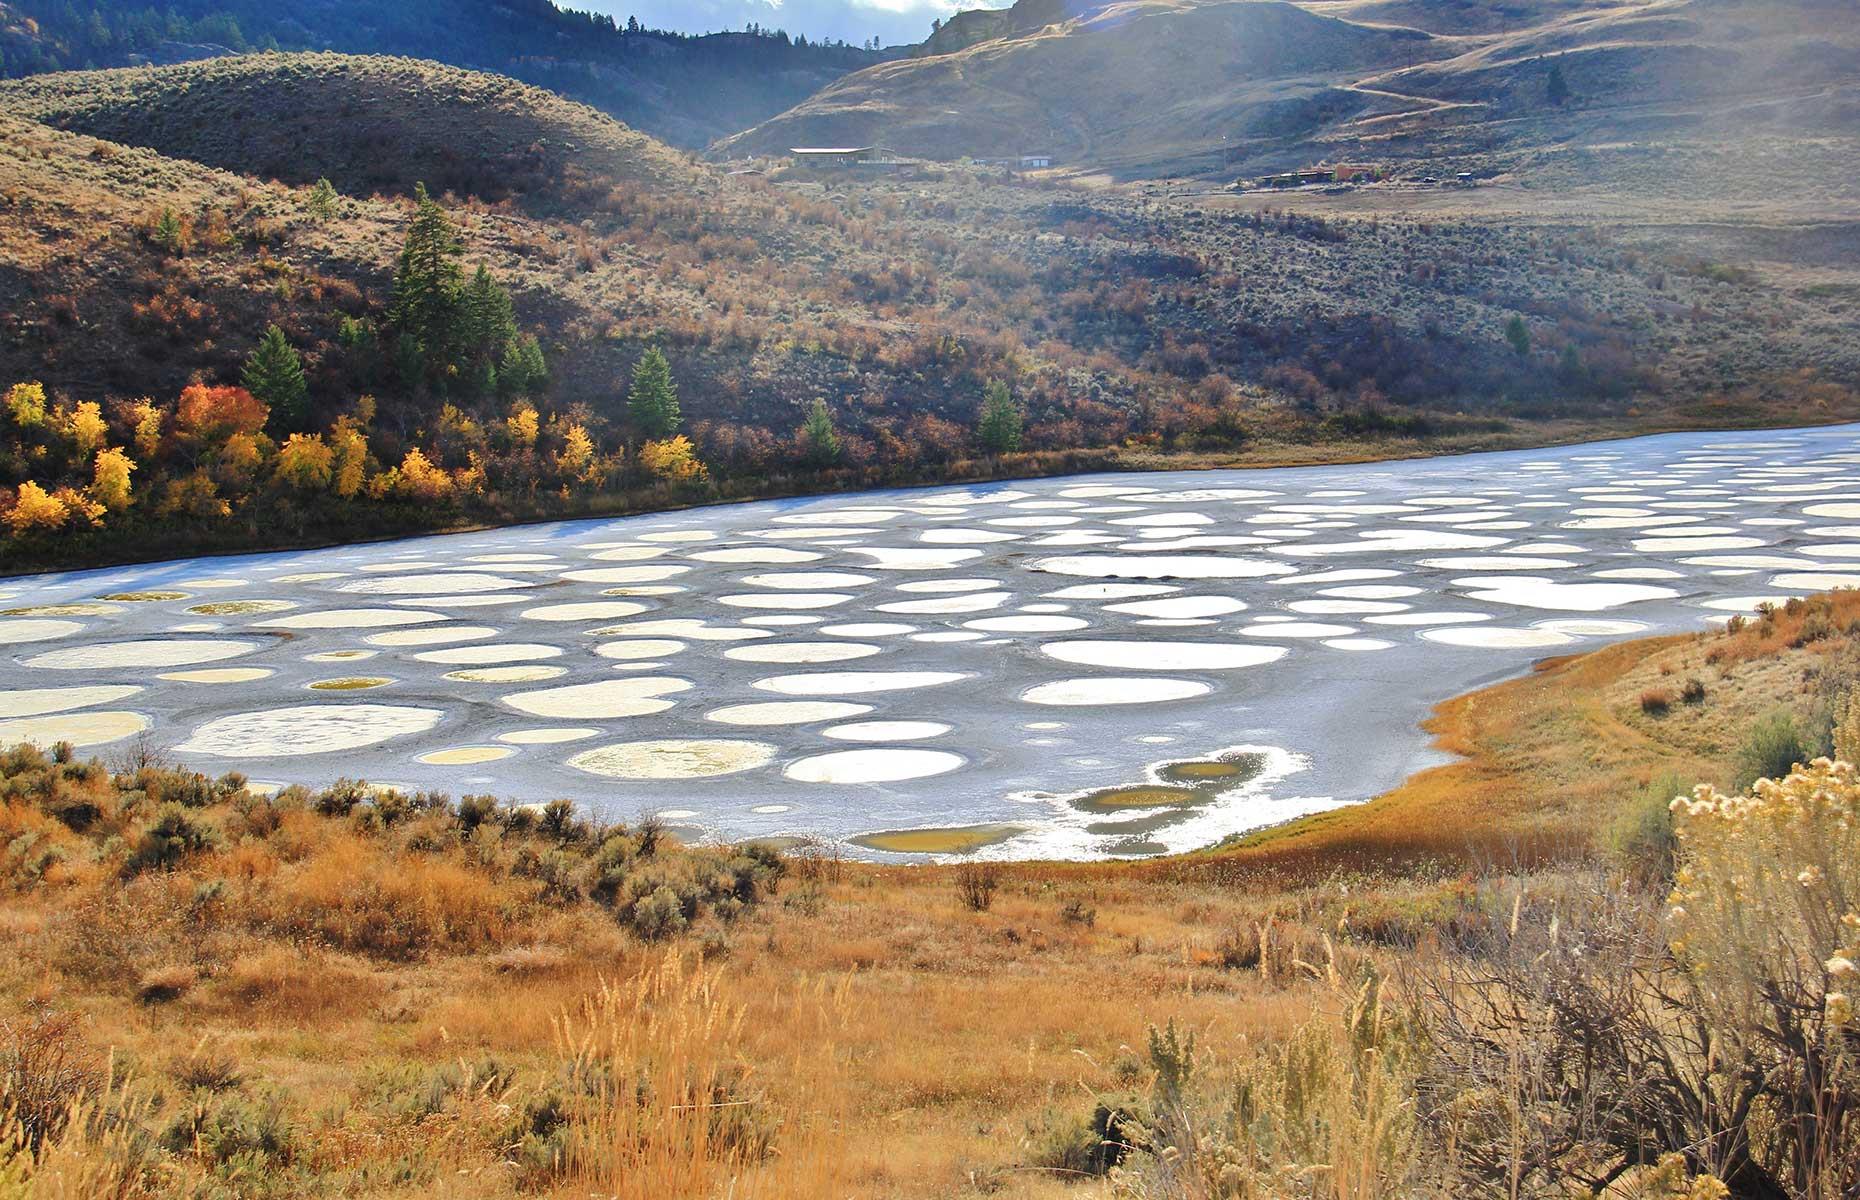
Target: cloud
[893, 22]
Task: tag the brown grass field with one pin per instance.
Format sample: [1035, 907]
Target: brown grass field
[403, 1002]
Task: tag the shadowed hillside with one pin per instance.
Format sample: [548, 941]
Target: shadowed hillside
[686, 90]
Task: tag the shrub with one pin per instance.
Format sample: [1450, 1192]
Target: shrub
[1656, 703]
[1694, 691]
[1773, 746]
[976, 884]
[43, 1072]
[1077, 912]
[175, 834]
[658, 915]
[1092, 1144]
[163, 984]
[1642, 834]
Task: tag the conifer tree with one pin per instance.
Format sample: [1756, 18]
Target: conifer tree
[428, 281]
[323, 200]
[1000, 423]
[820, 445]
[275, 375]
[522, 371]
[653, 400]
[487, 320]
[1519, 335]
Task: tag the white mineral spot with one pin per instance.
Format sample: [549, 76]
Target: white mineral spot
[1394, 541]
[865, 629]
[627, 651]
[546, 737]
[586, 610]
[628, 553]
[1371, 592]
[436, 636]
[80, 729]
[965, 537]
[532, 673]
[781, 620]
[1111, 591]
[150, 654]
[465, 756]
[803, 581]
[801, 652]
[1480, 562]
[1814, 581]
[1033, 623]
[758, 556]
[1344, 608]
[683, 628]
[897, 558]
[1686, 545]
[1744, 604]
[948, 635]
[674, 758]
[853, 683]
[307, 729]
[1344, 576]
[340, 655]
[973, 602]
[219, 675]
[680, 535]
[1534, 591]
[1497, 637]
[872, 766]
[653, 574]
[786, 712]
[771, 809]
[33, 702]
[1165, 656]
[785, 599]
[1429, 618]
[1639, 573]
[1359, 643]
[606, 699]
[1577, 627]
[945, 586]
[14, 632]
[1093, 693]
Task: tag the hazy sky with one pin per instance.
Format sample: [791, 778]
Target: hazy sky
[892, 21]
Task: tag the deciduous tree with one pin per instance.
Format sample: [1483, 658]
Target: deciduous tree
[110, 479]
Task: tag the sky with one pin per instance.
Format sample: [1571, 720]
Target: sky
[893, 22]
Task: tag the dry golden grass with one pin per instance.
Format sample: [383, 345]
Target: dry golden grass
[861, 1032]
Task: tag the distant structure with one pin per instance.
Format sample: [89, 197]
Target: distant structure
[845, 157]
[1340, 173]
[1035, 162]
[1020, 162]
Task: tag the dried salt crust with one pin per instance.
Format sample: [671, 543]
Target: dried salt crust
[150, 654]
[872, 766]
[887, 731]
[1092, 693]
[801, 652]
[786, 712]
[18, 632]
[1165, 656]
[436, 636]
[81, 729]
[853, 683]
[308, 729]
[35, 702]
[219, 675]
[1137, 566]
[674, 758]
[606, 699]
[465, 756]
[353, 618]
[480, 656]
[534, 673]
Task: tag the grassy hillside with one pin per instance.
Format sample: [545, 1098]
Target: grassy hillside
[685, 90]
[377, 995]
[1225, 88]
[1129, 328]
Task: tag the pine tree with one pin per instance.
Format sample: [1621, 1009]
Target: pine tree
[1000, 423]
[428, 281]
[1556, 88]
[652, 401]
[487, 321]
[820, 445]
[323, 200]
[1518, 334]
[169, 233]
[522, 371]
[275, 375]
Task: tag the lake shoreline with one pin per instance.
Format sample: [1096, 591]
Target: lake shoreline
[1064, 464]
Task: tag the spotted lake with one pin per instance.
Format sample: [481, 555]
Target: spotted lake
[1079, 667]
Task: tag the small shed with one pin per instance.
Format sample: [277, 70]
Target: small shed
[1035, 162]
[845, 156]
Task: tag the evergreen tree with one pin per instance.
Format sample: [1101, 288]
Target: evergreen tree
[1000, 422]
[428, 281]
[820, 445]
[652, 401]
[1518, 334]
[1556, 88]
[487, 321]
[522, 371]
[275, 375]
[323, 200]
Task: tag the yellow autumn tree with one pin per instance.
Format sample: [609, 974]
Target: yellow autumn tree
[350, 468]
[25, 404]
[35, 511]
[524, 425]
[109, 485]
[420, 480]
[305, 462]
[148, 427]
[86, 428]
[79, 507]
[674, 459]
[576, 459]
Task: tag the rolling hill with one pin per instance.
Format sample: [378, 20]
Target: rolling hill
[686, 90]
[1211, 88]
